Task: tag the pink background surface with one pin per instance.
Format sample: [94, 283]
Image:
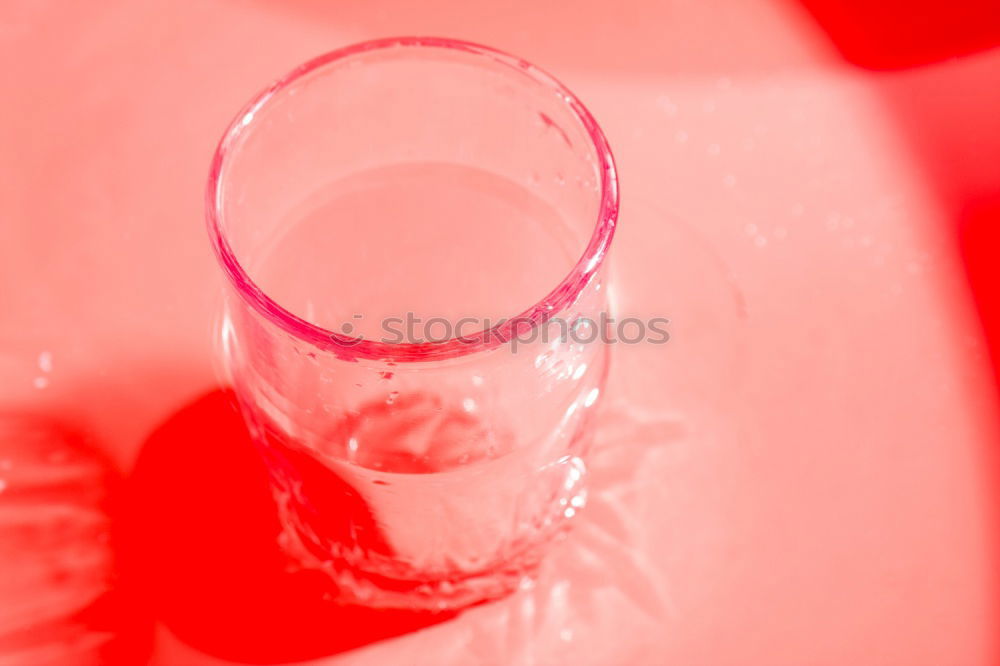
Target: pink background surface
[806, 473]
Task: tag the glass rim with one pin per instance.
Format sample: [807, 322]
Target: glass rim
[350, 348]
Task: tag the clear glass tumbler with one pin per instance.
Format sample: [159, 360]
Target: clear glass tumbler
[414, 233]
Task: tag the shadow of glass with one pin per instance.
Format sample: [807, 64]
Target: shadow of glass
[200, 538]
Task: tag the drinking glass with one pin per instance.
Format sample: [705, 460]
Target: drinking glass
[414, 233]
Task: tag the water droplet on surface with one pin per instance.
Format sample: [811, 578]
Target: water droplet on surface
[666, 105]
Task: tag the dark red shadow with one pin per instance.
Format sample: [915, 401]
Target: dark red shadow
[979, 239]
[891, 34]
[200, 539]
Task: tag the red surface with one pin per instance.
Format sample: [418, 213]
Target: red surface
[806, 473]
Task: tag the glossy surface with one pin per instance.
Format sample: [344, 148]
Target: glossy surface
[807, 469]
